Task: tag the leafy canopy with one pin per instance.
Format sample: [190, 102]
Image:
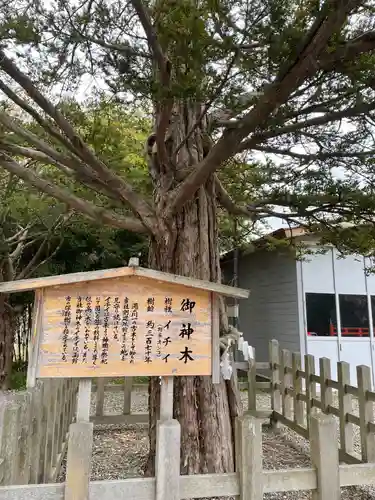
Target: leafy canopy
[282, 91]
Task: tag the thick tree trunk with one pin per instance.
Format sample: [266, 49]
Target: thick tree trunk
[188, 246]
[6, 343]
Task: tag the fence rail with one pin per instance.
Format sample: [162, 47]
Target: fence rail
[249, 482]
[297, 391]
[34, 431]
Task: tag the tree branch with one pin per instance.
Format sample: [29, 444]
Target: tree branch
[303, 66]
[138, 205]
[295, 127]
[152, 38]
[348, 52]
[314, 156]
[48, 127]
[95, 213]
[164, 66]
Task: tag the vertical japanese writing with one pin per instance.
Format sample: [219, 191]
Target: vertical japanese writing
[160, 340]
[133, 330]
[168, 305]
[67, 315]
[87, 320]
[124, 328]
[104, 354]
[150, 304]
[187, 305]
[96, 330]
[75, 356]
[116, 317]
[149, 334]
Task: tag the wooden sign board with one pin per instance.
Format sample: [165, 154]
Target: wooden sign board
[124, 326]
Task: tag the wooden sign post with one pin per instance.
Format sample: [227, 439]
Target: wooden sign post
[123, 322]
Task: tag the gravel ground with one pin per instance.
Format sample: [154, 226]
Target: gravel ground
[120, 451]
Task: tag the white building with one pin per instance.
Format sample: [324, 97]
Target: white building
[323, 305]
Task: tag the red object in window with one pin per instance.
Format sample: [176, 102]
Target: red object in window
[352, 332]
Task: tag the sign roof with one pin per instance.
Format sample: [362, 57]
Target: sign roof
[64, 279]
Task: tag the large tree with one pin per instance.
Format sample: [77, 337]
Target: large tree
[274, 96]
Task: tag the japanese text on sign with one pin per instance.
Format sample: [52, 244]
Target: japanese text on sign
[143, 332]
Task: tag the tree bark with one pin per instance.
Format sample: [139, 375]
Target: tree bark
[6, 343]
[188, 245]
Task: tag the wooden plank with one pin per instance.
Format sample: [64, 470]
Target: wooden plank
[34, 342]
[324, 456]
[289, 480]
[49, 403]
[9, 441]
[79, 461]
[100, 391]
[166, 398]
[134, 418]
[366, 413]
[353, 419]
[84, 400]
[215, 325]
[36, 431]
[262, 365]
[351, 389]
[81, 277]
[279, 417]
[250, 472]
[345, 408]
[298, 389]
[228, 291]
[332, 410]
[333, 384]
[167, 461]
[275, 377]
[251, 385]
[182, 340]
[350, 458]
[24, 441]
[357, 475]
[55, 416]
[127, 386]
[310, 385]
[210, 485]
[286, 356]
[326, 394]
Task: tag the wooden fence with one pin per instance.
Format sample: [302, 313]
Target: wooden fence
[297, 390]
[249, 482]
[33, 431]
[126, 416]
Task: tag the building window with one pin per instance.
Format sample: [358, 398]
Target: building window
[354, 316]
[321, 314]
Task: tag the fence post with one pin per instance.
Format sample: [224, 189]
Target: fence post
[128, 384]
[365, 413]
[100, 383]
[168, 460]
[298, 389]
[324, 456]
[310, 385]
[275, 377]
[80, 444]
[249, 457]
[345, 406]
[9, 441]
[326, 395]
[287, 380]
[36, 431]
[252, 384]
